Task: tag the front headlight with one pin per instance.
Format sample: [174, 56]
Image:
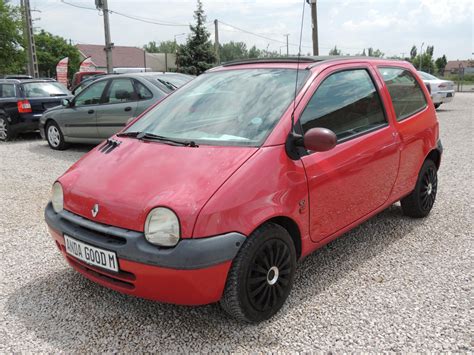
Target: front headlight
[57, 197]
[162, 227]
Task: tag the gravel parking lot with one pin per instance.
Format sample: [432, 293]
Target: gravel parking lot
[392, 284]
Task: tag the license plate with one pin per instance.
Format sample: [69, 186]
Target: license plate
[91, 255]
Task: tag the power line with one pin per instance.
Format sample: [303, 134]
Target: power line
[136, 18]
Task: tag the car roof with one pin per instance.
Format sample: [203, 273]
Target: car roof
[22, 81]
[307, 61]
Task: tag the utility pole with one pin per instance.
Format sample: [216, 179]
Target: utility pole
[216, 41]
[287, 47]
[30, 39]
[421, 55]
[314, 19]
[102, 5]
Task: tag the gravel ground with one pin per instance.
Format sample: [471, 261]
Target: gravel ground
[392, 284]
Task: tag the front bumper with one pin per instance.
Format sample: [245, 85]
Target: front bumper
[194, 272]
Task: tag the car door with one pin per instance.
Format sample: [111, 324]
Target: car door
[119, 105]
[145, 95]
[79, 120]
[356, 177]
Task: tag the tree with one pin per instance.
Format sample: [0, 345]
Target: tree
[375, 53]
[254, 52]
[51, 49]
[413, 52]
[233, 51]
[163, 47]
[441, 64]
[430, 50]
[12, 54]
[335, 51]
[197, 55]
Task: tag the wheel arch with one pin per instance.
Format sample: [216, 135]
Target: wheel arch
[435, 156]
[291, 227]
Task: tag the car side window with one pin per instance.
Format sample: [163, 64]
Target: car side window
[7, 90]
[91, 95]
[121, 90]
[143, 92]
[407, 95]
[347, 103]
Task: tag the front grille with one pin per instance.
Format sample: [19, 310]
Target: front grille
[110, 234]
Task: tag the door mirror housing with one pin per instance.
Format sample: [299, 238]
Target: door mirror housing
[66, 102]
[319, 139]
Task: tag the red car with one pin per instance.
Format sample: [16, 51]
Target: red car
[215, 193]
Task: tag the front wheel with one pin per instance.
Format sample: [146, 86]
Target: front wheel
[55, 137]
[420, 202]
[437, 106]
[261, 276]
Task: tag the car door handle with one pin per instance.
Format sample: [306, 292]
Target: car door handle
[128, 109]
[90, 112]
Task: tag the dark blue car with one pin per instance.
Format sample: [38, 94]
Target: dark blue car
[23, 101]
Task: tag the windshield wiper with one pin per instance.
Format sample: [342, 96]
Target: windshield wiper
[155, 137]
[168, 84]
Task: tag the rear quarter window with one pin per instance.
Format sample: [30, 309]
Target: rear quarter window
[406, 94]
[7, 90]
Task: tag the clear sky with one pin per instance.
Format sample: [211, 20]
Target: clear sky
[393, 26]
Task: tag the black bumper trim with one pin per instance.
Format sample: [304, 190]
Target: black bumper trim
[188, 254]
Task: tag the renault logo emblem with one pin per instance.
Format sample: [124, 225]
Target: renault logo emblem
[95, 210]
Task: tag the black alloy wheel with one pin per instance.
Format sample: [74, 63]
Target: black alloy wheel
[261, 276]
[269, 275]
[420, 202]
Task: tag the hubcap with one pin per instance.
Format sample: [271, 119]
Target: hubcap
[269, 275]
[428, 189]
[3, 129]
[272, 275]
[54, 137]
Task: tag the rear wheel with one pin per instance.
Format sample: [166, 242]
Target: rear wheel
[261, 276]
[54, 136]
[420, 202]
[5, 129]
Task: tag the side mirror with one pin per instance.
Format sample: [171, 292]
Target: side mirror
[319, 139]
[66, 102]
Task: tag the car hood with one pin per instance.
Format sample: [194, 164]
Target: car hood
[136, 176]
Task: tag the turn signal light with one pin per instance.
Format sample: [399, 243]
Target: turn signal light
[24, 106]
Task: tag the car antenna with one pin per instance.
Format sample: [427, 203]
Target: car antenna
[297, 70]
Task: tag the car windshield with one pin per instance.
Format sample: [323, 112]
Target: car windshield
[44, 89]
[232, 107]
[427, 76]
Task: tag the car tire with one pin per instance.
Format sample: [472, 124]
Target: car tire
[261, 276]
[54, 136]
[420, 202]
[5, 130]
[437, 106]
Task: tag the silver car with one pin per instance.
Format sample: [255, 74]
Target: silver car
[442, 91]
[104, 107]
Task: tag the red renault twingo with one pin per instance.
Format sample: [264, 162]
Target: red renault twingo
[216, 192]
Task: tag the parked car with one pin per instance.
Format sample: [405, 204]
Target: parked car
[84, 83]
[23, 101]
[217, 192]
[104, 107]
[79, 77]
[442, 91]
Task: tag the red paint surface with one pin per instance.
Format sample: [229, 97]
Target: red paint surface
[185, 287]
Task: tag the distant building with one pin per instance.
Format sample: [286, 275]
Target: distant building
[127, 57]
[452, 67]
